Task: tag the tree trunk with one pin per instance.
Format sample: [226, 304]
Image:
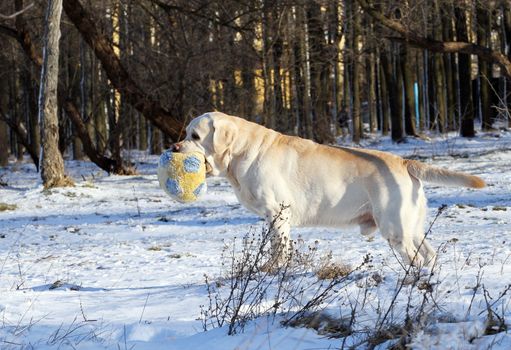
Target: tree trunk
[248, 91]
[52, 164]
[273, 50]
[30, 108]
[73, 83]
[395, 108]
[506, 12]
[406, 62]
[319, 74]
[155, 141]
[440, 113]
[426, 90]
[483, 32]
[384, 97]
[448, 35]
[335, 36]
[464, 76]
[277, 50]
[4, 131]
[420, 67]
[356, 118]
[298, 85]
[20, 141]
[372, 90]
[402, 107]
[4, 144]
[267, 64]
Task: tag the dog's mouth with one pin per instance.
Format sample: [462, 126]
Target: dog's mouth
[209, 168]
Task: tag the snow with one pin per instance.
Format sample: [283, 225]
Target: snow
[115, 263]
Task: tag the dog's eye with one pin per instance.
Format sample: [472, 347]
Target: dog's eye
[195, 136]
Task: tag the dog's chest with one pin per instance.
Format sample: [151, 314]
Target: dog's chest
[255, 191]
[250, 201]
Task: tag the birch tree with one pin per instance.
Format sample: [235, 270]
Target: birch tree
[52, 163]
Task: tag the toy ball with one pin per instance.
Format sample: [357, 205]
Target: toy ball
[182, 175]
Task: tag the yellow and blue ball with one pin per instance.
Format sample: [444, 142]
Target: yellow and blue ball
[182, 175]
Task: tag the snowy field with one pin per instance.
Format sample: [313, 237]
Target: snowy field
[114, 263]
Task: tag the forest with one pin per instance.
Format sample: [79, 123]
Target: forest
[132, 73]
[92, 91]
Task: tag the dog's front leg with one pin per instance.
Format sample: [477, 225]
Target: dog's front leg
[279, 234]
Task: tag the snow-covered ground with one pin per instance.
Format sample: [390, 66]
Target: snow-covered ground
[113, 263]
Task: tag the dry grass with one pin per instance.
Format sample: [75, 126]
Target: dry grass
[6, 206]
[65, 181]
[333, 270]
[324, 324]
[128, 170]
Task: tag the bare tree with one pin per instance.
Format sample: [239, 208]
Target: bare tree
[52, 163]
[464, 73]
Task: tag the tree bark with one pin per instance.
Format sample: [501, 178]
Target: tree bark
[372, 92]
[4, 144]
[4, 131]
[464, 76]
[30, 106]
[483, 32]
[73, 84]
[319, 74]
[394, 107]
[356, 118]
[384, 96]
[448, 35]
[52, 163]
[506, 12]
[267, 65]
[298, 79]
[439, 76]
[248, 71]
[406, 61]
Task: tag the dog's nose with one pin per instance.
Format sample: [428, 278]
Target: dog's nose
[176, 147]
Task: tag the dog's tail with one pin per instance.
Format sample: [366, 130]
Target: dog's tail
[441, 176]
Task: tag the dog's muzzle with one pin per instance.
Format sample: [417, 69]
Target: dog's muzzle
[209, 168]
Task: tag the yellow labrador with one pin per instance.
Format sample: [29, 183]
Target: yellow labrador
[320, 185]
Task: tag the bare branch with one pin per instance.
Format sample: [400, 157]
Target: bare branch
[17, 13]
[198, 13]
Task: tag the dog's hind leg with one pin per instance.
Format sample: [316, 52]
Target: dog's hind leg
[397, 221]
[425, 250]
[420, 242]
[368, 228]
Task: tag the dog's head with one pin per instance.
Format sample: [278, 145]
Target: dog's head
[212, 134]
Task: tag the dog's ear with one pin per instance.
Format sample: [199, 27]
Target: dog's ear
[223, 135]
